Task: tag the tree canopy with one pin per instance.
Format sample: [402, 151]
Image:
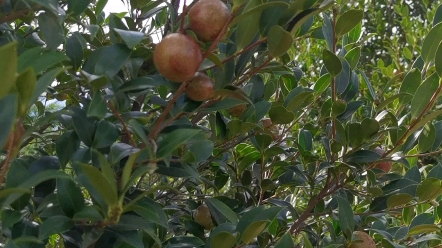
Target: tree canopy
[310, 123]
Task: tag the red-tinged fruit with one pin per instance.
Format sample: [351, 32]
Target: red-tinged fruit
[200, 88]
[385, 165]
[177, 57]
[207, 18]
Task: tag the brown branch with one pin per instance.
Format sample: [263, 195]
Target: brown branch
[327, 190]
[9, 157]
[15, 15]
[182, 17]
[126, 129]
[414, 123]
[253, 72]
[157, 126]
[239, 53]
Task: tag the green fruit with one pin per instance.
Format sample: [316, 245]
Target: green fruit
[363, 240]
[177, 57]
[200, 88]
[207, 18]
[203, 217]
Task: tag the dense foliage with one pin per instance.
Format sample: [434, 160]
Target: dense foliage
[324, 127]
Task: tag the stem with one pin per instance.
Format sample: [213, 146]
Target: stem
[9, 158]
[126, 129]
[240, 52]
[333, 82]
[256, 70]
[414, 123]
[182, 17]
[157, 126]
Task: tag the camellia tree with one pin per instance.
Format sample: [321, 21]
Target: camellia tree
[244, 123]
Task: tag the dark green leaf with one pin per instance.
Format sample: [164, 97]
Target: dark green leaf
[279, 41]
[331, 62]
[347, 21]
[107, 60]
[345, 214]
[174, 139]
[285, 241]
[69, 196]
[130, 38]
[221, 212]
[431, 43]
[429, 189]
[51, 29]
[423, 94]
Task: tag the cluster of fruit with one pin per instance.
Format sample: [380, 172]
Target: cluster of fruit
[178, 56]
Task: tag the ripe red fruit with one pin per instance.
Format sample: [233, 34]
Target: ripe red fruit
[386, 165]
[207, 18]
[200, 88]
[177, 57]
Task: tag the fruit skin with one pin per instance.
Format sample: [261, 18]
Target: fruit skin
[272, 128]
[203, 217]
[386, 165]
[363, 240]
[200, 88]
[237, 110]
[177, 57]
[207, 18]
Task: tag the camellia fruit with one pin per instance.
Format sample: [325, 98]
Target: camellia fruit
[207, 18]
[386, 165]
[203, 217]
[177, 57]
[363, 240]
[200, 87]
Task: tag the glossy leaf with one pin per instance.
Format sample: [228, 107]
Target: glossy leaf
[431, 43]
[8, 63]
[347, 21]
[424, 94]
[279, 41]
[8, 111]
[174, 140]
[331, 62]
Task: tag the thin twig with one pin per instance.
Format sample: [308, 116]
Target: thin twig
[253, 72]
[8, 160]
[157, 126]
[126, 129]
[182, 17]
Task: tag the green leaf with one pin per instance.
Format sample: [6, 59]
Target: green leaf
[438, 60]
[26, 84]
[278, 41]
[424, 94]
[97, 107]
[347, 21]
[139, 84]
[345, 215]
[253, 230]
[40, 60]
[51, 29]
[249, 27]
[409, 85]
[353, 56]
[363, 156]
[255, 10]
[398, 200]
[183, 242]
[97, 185]
[285, 241]
[438, 16]
[223, 240]
[69, 196]
[429, 189]
[174, 139]
[89, 213]
[331, 62]
[53, 225]
[8, 63]
[74, 49]
[76, 7]
[107, 60]
[280, 115]
[8, 112]
[431, 43]
[427, 138]
[130, 38]
[426, 228]
[127, 171]
[44, 81]
[221, 212]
